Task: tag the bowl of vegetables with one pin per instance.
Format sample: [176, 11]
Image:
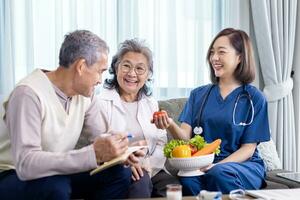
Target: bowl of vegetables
[190, 156]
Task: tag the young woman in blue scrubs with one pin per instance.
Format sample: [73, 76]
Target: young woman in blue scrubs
[229, 109]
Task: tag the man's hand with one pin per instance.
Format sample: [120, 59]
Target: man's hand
[109, 147]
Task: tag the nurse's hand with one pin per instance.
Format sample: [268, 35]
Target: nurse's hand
[162, 120]
[205, 169]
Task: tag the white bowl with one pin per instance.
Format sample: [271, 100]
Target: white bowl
[191, 166]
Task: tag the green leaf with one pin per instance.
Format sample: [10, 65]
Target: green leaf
[197, 141]
[171, 145]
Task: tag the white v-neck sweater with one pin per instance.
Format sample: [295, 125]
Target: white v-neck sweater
[59, 130]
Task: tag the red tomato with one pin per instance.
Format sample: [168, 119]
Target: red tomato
[193, 149]
[159, 113]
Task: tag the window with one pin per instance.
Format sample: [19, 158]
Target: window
[178, 32]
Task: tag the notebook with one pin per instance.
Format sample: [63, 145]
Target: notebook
[275, 194]
[117, 160]
[293, 176]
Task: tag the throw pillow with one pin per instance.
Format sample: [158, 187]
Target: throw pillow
[268, 153]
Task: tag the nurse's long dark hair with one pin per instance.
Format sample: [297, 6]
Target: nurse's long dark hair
[240, 41]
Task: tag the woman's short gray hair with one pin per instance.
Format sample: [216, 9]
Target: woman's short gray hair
[133, 45]
[81, 44]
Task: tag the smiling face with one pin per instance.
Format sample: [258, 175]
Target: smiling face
[132, 73]
[224, 58]
[87, 77]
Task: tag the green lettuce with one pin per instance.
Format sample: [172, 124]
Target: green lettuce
[217, 151]
[171, 145]
[197, 141]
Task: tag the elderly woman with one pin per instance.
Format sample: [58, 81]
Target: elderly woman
[126, 105]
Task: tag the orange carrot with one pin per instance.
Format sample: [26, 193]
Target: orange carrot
[209, 148]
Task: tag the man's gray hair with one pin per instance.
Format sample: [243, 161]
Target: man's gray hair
[81, 44]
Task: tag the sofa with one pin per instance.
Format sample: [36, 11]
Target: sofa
[267, 150]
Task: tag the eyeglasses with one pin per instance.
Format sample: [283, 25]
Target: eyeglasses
[138, 69]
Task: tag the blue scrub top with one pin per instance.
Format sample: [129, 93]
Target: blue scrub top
[217, 118]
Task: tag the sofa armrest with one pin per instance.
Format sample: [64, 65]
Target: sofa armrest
[272, 176]
[274, 185]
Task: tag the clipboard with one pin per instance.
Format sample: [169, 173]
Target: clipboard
[118, 160]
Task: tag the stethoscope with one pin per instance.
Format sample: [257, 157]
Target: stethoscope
[198, 129]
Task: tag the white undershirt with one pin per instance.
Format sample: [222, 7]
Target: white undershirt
[133, 126]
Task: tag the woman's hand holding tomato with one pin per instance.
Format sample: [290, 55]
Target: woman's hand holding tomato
[159, 113]
[161, 119]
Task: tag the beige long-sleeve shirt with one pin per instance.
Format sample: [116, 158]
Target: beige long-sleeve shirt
[24, 119]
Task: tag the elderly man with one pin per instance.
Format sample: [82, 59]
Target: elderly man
[43, 118]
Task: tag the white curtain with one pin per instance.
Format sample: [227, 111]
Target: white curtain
[33, 30]
[274, 26]
[296, 89]
[178, 32]
[6, 71]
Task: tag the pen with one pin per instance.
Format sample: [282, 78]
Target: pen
[130, 136]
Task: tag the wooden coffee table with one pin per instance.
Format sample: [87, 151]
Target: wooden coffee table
[224, 197]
